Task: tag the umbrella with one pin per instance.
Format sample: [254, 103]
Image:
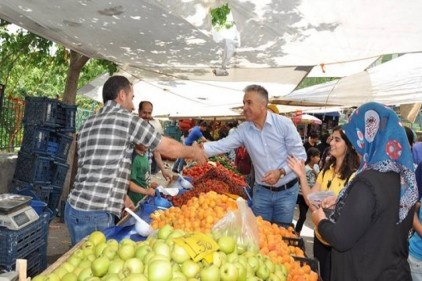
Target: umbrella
[306, 119]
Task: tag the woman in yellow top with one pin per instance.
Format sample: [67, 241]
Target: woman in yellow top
[338, 170]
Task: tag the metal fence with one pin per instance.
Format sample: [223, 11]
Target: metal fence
[11, 126]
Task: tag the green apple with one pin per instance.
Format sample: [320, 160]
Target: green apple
[253, 262]
[109, 252]
[226, 244]
[270, 265]
[190, 268]
[68, 266]
[241, 269]
[160, 270]
[262, 272]
[142, 250]
[60, 271]
[133, 265]
[52, 277]
[176, 234]
[273, 277]
[165, 231]
[70, 276]
[229, 272]
[136, 277]
[126, 251]
[178, 276]
[116, 266]
[111, 277]
[219, 258]
[97, 237]
[147, 257]
[161, 248]
[88, 248]
[175, 267]
[79, 253]
[158, 257]
[91, 257]
[113, 243]
[126, 241]
[100, 266]
[99, 249]
[93, 278]
[241, 248]
[232, 257]
[179, 254]
[74, 260]
[84, 264]
[210, 273]
[85, 274]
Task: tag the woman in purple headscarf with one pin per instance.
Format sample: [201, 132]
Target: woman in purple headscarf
[373, 215]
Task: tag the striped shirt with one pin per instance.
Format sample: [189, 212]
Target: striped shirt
[105, 145]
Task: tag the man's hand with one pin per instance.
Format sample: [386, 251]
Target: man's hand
[166, 175]
[129, 203]
[272, 177]
[199, 155]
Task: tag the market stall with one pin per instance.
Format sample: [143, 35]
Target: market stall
[205, 230]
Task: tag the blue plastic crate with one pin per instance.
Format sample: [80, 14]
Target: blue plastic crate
[39, 140]
[66, 118]
[40, 111]
[15, 244]
[54, 201]
[36, 262]
[33, 168]
[64, 143]
[59, 172]
[37, 192]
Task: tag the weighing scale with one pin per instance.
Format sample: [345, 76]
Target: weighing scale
[15, 213]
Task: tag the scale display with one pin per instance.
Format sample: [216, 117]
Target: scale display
[19, 218]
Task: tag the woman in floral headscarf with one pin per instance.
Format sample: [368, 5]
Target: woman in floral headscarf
[369, 227]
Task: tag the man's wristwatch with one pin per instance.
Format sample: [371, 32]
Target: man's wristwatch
[282, 172]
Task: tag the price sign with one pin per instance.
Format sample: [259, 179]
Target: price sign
[198, 245]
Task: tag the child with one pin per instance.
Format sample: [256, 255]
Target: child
[312, 170]
[139, 176]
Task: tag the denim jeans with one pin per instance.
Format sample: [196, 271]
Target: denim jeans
[178, 165]
[82, 223]
[274, 206]
[415, 268]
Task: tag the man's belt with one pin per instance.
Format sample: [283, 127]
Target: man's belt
[286, 186]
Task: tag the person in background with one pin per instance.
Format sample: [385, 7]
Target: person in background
[336, 173]
[105, 147]
[154, 157]
[312, 140]
[373, 215]
[195, 135]
[324, 143]
[417, 151]
[311, 170]
[139, 185]
[268, 138]
[232, 153]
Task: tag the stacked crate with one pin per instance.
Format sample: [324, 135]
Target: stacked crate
[41, 166]
[29, 242]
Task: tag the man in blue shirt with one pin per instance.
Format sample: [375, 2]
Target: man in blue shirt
[269, 138]
[194, 134]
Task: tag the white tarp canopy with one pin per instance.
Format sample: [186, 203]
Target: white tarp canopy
[187, 98]
[396, 82]
[168, 38]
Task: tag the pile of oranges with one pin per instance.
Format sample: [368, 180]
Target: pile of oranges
[199, 214]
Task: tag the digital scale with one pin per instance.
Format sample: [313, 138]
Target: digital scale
[15, 213]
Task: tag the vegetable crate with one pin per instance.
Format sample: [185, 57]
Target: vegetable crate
[54, 201]
[40, 111]
[313, 264]
[28, 243]
[45, 141]
[66, 118]
[33, 168]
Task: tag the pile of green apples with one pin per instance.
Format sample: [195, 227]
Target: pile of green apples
[159, 258]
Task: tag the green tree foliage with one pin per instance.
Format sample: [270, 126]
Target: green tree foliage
[31, 65]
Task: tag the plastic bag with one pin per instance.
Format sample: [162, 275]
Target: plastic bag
[241, 225]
